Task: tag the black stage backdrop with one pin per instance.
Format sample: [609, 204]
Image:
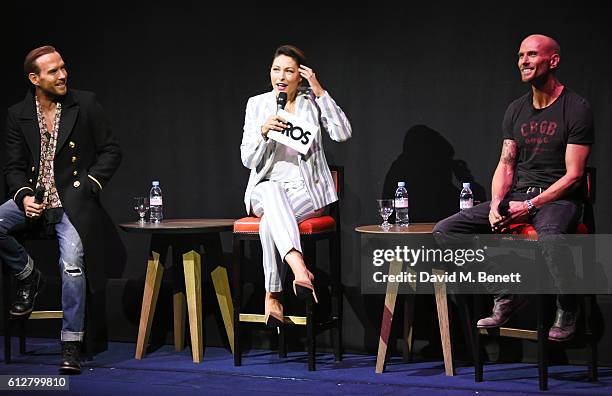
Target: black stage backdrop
[424, 88]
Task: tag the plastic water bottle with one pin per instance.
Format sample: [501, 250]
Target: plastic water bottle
[401, 205]
[466, 198]
[155, 203]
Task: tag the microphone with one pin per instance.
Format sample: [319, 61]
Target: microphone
[39, 194]
[281, 101]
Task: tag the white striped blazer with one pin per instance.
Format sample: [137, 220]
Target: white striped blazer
[258, 154]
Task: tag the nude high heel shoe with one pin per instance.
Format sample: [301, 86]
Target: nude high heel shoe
[303, 290]
[274, 317]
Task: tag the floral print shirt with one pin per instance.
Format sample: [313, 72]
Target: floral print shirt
[48, 143]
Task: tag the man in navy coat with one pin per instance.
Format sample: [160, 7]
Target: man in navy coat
[60, 155]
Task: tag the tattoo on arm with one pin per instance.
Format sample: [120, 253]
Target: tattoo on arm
[508, 155]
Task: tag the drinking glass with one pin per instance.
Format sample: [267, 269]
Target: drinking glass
[141, 205]
[385, 206]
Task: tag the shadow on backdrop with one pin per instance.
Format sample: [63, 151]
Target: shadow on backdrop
[432, 175]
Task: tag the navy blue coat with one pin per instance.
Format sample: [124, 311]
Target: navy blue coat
[86, 157]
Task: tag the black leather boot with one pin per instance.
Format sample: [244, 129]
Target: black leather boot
[27, 290]
[71, 357]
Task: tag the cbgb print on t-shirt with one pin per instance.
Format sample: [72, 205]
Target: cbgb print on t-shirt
[542, 135]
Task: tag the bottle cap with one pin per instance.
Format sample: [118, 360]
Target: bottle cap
[401, 184]
[466, 185]
[155, 183]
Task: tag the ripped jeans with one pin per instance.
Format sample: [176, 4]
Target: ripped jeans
[71, 262]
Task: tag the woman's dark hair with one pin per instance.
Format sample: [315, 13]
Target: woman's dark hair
[296, 54]
[292, 52]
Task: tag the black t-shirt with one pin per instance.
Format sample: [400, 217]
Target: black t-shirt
[541, 136]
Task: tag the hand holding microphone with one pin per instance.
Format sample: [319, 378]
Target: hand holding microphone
[497, 215]
[275, 122]
[509, 212]
[32, 205]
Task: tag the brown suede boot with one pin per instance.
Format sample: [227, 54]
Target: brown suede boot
[564, 327]
[503, 309]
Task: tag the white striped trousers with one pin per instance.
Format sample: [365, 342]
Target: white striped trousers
[281, 207]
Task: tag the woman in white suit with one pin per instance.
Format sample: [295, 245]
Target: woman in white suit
[286, 187]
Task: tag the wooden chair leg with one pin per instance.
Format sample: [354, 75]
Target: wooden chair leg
[593, 372]
[192, 266]
[282, 343]
[478, 358]
[6, 301]
[310, 334]
[442, 307]
[408, 340]
[7, 341]
[409, 307]
[336, 294]
[282, 331]
[224, 298]
[309, 249]
[395, 267]
[179, 313]
[22, 336]
[179, 302]
[590, 306]
[238, 253]
[467, 325]
[149, 302]
[179, 299]
[542, 341]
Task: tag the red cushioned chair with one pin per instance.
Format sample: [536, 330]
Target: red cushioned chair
[540, 335]
[311, 231]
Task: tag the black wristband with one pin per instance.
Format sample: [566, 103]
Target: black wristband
[531, 209]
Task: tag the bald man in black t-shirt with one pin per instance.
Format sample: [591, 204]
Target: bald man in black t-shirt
[548, 134]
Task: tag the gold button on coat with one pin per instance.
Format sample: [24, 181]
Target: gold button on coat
[33, 168]
[73, 159]
[72, 144]
[76, 184]
[75, 173]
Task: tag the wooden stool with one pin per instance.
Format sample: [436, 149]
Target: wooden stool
[391, 296]
[185, 237]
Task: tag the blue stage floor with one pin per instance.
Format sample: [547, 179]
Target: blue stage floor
[165, 372]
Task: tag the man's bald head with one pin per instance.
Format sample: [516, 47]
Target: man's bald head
[546, 44]
[538, 58]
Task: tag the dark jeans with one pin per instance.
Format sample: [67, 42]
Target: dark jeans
[550, 222]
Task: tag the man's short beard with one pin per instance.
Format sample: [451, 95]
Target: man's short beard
[52, 95]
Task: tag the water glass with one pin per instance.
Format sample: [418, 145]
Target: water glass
[141, 206]
[385, 207]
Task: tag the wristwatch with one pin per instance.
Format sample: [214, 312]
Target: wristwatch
[531, 209]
